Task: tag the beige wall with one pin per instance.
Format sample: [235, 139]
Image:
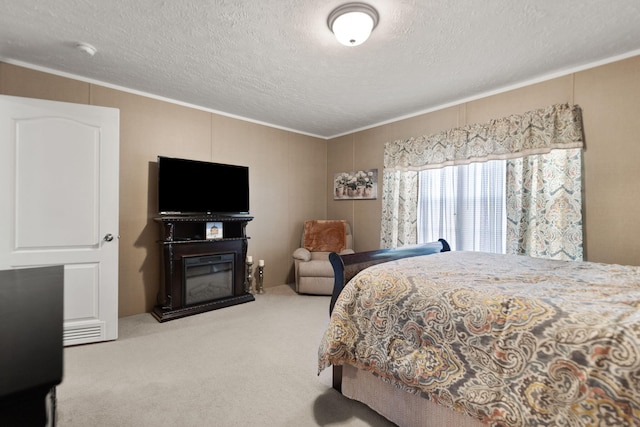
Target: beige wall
[609, 96]
[291, 174]
[287, 174]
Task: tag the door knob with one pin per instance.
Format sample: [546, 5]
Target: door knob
[108, 237]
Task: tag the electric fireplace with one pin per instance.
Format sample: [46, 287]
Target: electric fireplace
[207, 278]
[199, 273]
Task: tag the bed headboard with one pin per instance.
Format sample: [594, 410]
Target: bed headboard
[347, 266]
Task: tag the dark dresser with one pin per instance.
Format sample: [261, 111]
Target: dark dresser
[31, 316]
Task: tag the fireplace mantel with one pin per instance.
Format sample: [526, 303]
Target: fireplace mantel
[183, 242]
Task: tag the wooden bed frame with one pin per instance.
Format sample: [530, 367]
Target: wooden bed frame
[408, 406]
[345, 267]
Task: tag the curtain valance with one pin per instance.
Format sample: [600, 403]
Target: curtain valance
[534, 132]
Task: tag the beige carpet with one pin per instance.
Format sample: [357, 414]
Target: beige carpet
[252, 364]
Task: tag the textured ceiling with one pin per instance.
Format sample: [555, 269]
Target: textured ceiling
[276, 62]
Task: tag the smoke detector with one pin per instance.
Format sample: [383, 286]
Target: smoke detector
[86, 48]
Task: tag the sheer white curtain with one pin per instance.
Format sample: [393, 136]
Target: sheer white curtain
[465, 205]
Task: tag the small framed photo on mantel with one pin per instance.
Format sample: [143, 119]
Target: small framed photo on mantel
[214, 230]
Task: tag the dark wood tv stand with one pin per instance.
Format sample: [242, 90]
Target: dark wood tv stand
[184, 241]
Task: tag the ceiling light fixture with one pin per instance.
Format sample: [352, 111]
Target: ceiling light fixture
[352, 23]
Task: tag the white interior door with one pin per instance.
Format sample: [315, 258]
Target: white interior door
[59, 166]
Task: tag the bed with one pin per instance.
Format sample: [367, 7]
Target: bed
[426, 336]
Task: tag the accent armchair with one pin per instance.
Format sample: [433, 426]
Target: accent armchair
[313, 270]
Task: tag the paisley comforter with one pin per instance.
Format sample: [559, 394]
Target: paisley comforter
[509, 340]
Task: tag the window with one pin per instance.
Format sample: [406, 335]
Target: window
[464, 205]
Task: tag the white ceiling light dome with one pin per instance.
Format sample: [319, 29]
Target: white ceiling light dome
[352, 23]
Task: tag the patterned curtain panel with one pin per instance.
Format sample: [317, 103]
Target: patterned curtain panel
[399, 209]
[544, 205]
[516, 136]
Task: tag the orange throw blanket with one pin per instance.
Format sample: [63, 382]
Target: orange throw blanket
[325, 235]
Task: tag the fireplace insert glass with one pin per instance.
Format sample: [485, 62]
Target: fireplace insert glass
[208, 277]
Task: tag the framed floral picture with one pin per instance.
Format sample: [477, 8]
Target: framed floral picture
[362, 185]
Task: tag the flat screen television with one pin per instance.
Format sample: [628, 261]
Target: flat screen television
[197, 187]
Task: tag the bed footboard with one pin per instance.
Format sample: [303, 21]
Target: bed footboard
[347, 266]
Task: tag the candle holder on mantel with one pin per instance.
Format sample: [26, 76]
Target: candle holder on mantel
[260, 279]
[248, 283]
